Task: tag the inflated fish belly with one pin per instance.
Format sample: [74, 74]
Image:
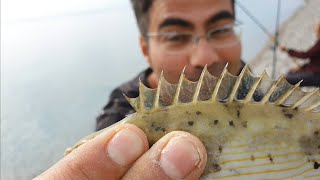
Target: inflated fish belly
[252, 127]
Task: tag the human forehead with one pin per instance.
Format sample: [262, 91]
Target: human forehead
[197, 12]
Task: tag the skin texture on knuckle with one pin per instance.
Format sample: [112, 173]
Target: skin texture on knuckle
[64, 170]
[75, 171]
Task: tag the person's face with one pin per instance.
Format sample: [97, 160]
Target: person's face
[196, 16]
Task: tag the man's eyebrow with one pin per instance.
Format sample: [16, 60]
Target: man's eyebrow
[220, 16]
[175, 22]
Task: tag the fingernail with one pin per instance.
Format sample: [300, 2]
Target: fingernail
[125, 147]
[179, 158]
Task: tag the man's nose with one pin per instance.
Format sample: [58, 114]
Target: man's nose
[203, 54]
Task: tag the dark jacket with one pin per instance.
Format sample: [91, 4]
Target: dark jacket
[313, 54]
[118, 107]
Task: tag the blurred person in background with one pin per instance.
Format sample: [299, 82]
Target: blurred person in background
[310, 72]
[173, 35]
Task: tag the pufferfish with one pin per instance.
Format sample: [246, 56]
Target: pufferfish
[252, 127]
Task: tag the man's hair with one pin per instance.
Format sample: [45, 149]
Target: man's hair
[142, 11]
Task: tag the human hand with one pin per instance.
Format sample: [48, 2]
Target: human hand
[123, 152]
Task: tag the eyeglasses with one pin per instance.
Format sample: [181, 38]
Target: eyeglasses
[179, 42]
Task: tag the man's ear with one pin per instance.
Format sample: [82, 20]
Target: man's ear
[144, 48]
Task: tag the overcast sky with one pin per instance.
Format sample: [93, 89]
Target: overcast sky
[253, 39]
[17, 10]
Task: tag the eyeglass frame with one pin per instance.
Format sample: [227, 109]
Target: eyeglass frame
[196, 38]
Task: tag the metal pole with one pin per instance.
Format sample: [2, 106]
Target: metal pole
[276, 43]
[254, 19]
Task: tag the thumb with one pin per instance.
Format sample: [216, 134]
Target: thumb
[107, 156]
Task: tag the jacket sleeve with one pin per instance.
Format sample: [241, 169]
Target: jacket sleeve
[312, 52]
[116, 109]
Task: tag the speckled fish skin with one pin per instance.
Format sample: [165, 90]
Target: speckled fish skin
[252, 127]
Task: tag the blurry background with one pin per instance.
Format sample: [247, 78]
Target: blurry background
[61, 59]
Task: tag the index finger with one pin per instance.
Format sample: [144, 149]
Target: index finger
[107, 156]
